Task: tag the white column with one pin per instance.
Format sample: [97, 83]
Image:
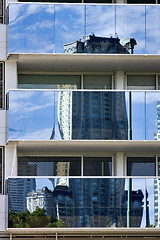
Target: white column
[3, 42]
[11, 160]
[10, 75]
[120, 80]
[119, 164]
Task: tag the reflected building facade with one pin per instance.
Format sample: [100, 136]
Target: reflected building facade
[94, 44]
[17, 191]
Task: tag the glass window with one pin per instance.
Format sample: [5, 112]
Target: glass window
[49, 166]
[141, 166]
[27, 81]
[1, 170]
[1, 85]
[141, 1]
[97, 166]
[1, 11]
[97, 82]
[97, 1]
[141, 82]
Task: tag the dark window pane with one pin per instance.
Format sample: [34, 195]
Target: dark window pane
[141, 1]
[27, 81]
[97, 1]
[1, 11]
[53, 1]
[49, 166]
[97, 82]
[141, 82]
[141, 166]
[0, 170]
[97, 166]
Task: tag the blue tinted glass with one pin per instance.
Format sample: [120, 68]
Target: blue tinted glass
[31, 115]
[130, 24]
[152, 29]
[153, 115]
[82, 202]
[138, 115]
[31, 28]
[69, 27]
[100, 29]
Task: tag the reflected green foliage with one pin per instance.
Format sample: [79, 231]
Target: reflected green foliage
[32, 220]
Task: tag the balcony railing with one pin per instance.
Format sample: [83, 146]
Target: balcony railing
[83, 28]
[83, 115]
[83, 202]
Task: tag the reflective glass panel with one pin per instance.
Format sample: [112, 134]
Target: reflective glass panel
[97, 82]
[141, 166]
[97, 1]
[97, 166]
[153, 115]
[100, 29]
[142, 202]
[138, 115]
[141, 82]
[80, 202]
[31, 28]
[69, 28]
[31, 115]
[103, 115]
[130, 27]
[49, 166]
[152, 29]
[27, 81]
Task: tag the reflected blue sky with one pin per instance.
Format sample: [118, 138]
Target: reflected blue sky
[45, 28]
[46, 115]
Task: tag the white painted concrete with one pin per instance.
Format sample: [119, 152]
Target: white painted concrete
[119, 164]
[3, 42]
[11, 160]
[3, 130]
[10, 75]
[120, 80]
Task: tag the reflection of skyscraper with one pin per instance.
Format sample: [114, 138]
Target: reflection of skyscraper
[42, 198]
[157, 135]
[157, 202]
[17, 192]
[99, 115]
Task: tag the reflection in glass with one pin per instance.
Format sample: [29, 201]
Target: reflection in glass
[152, 29]
[97, 82]
[97, 166]
[31, 28]
[31, 115]
[138, 115]
[107, 118]
[64, 115]
[49, 166]
[138, 166]
[28, 81]
[152, 115]
[83, 202]
[130, 23]
[69, 26]
[141, 1]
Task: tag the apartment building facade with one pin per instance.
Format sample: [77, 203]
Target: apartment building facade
[79, 119]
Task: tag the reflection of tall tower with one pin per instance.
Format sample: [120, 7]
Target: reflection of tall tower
[99, 115]
[98, 202]
[157, 135]
[157, 201]
[65, 114]
[17, 193]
